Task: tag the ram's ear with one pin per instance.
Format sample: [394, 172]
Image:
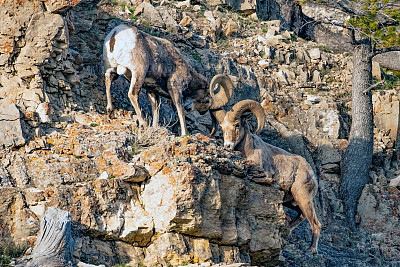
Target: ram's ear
[217, 117]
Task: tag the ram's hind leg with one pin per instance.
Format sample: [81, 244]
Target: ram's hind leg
[303, 197]
[137, 81]
[299, 218]
[108, 80]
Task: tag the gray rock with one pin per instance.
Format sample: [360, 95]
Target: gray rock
[316, 77]
[171, 24]
[395, 182]
[246, 5]
[376, 70]
[150, 13]
[328, 154]
[40, 36]
[11, 133]
[54, 245]
[57, 6]
[44, 110]
[390, 60]
[315, 53]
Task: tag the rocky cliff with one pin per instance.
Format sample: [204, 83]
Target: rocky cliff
[179, 200]
[145, 197]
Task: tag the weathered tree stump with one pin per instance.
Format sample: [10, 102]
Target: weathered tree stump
[55, 244]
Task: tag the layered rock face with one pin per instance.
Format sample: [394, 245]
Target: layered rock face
[379, 215]
[182, 200]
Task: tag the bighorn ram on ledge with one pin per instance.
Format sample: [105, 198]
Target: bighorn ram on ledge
[294, 174]
[157, 65]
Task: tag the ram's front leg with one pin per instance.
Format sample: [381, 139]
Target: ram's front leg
[177, 99]
[155, 107]
[175, 87]
[133, 94]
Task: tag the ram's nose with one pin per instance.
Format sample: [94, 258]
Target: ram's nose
[210, 101]
[188, 105]
[229, 145]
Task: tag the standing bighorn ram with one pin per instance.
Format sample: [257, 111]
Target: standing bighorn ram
[157, 65]
[294, 174]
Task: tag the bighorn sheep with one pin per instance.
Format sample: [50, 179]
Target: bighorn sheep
[157, 65]
[294, 174]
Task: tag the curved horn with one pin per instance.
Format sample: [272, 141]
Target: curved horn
[236, 112]
[222, 97]
[217, 116]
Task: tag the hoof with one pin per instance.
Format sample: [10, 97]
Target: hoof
[312, 250]
[142, 123]
[110, 112]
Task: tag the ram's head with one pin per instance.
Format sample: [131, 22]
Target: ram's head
[234, 125]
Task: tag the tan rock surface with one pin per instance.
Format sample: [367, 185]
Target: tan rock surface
[187, 200]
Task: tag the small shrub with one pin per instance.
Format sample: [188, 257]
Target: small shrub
[325, 48]
[123, 6]
[94, 124]
[136, 149]
[146, 23]
[392, 78]
[223, 43]
[390, 84]
[265, 30]
[196, 56]
[9, 250]
[4, 261]
[114, 3]
[325, 71]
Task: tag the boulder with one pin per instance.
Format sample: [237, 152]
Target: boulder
[56, 6]
[378, 209]
[395, 182]
[244, 6]
[170, 19]
[11, 133]
[320, 121]
[386, 114]
[54, 244]
[150, 13]
[315, 53]
[389, 60]
[376, 70]
[44, 111]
